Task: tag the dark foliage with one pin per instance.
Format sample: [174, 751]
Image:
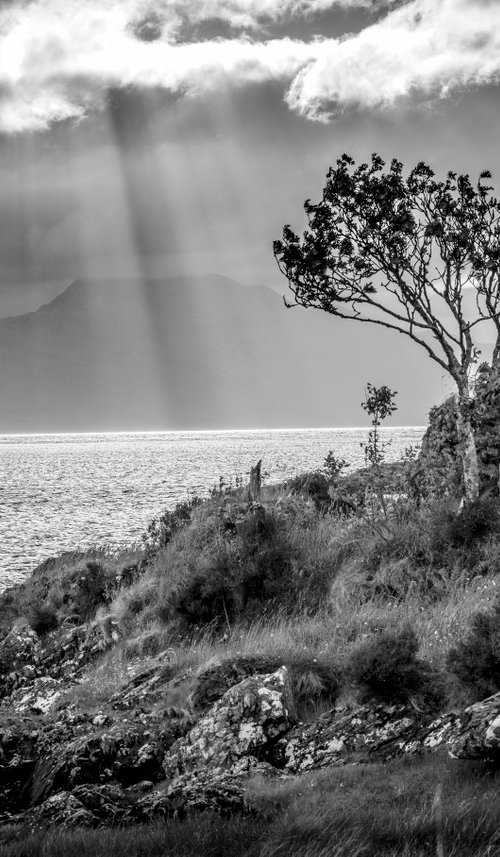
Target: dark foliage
[314, 485]
[252, 564]
[42, 619]
[475, 521]
[161, 530]
[91, 590]
[476, 660]
[385, 667]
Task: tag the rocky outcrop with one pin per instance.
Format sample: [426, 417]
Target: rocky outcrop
[27, 666]
[19, 648]
[360, 734]
[438, 465]
[138, 758]
[217, 678]
[479, 734]
[244, 722]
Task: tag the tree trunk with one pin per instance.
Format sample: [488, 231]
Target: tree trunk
[255, 483]
[467, 445]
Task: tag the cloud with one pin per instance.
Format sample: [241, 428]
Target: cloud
[426, 48]
[58, 58]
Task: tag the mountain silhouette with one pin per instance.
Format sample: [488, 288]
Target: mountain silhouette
[197, 353]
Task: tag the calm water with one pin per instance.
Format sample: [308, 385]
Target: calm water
[63, 492]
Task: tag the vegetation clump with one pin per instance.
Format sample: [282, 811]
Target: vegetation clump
[385, 667]
[475, 660]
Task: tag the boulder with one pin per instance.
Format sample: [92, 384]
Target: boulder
[213, 681]
[244, 722]
[60, 810]
[38, 697]
[360, 734]
[21, 646]
[478, 735]
[214, 790]
[128, 753]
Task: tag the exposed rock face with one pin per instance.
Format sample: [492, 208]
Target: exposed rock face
[361, 734]
[20, 647]
[139, 759]
[479, 733]
[439, 463]
[248, 717]
[64, 655]
[126, 753]
[60, 810]
[213, 682]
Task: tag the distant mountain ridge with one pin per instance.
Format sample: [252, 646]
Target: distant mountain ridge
[188, 353]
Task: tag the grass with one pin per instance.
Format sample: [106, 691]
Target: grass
[401, 809]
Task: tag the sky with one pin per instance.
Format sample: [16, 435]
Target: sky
[177, 136]
[149, 138]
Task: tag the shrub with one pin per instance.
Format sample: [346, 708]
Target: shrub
[475, 521]
[243, 567]
[314, 485]
[91, 590]
[42, 619]
[475, 661]
[161, 530]
[385, 667]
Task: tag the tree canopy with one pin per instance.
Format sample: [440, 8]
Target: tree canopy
[401, 252]
[409, 253]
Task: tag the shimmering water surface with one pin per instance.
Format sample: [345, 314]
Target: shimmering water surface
[69, 491]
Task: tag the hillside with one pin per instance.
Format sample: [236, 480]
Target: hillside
[196, 353]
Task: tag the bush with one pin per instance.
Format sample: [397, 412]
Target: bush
[385, 667]
[242, 568]
[91, 590]
[42, 619]
[314, 485]
[161, 530]
[475, 661]
[475, 521]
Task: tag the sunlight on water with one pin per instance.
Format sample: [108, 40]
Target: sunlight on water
[64, 492]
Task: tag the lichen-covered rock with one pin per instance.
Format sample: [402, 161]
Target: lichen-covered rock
[125, 752]
[21, 646]
[438, 467]
[109, 804]
[149, 687]
[249, 717]
[213, 681]
[60, 810]
[360, 734]
[38, 697]
[214, 790]
[478, 736]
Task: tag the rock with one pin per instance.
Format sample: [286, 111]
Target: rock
[39, 697]
[215, 790]
[125, 752]
[360, 734]
[438, 465]
[18, 754]
[478, 736]
[60, 810]
[148, 687]
[19, 647]
[213, 682]
[249, 717]
[109, 804]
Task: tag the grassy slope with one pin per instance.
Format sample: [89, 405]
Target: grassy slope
[344, 580]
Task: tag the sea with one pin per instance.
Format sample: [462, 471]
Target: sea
[65, 492]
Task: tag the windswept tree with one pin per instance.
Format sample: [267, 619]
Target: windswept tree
[402, 253]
